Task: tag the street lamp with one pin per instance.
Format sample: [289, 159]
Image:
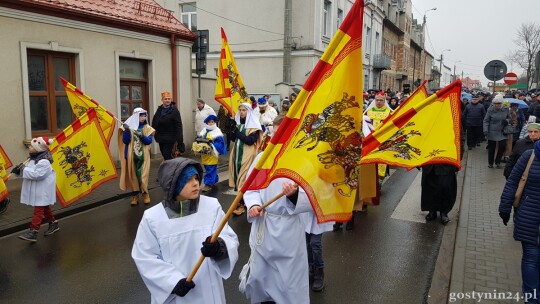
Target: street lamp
[455, 77]
[431, 9]
[440, 66]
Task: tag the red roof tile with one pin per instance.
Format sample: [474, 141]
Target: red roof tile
[144, 15]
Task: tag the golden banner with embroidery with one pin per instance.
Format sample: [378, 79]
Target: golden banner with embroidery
[80, 103]
[318, 144]
[420, 133]
[5, 163]
[230, 91]
[82, 160]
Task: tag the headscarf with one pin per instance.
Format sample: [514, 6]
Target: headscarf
[133, 120]
[252, 122]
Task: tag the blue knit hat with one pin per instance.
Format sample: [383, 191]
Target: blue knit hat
[210, 117]
[184, 177]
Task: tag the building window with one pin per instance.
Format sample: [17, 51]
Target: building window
[133, 86]
[50, 111]
[189, 15]
[339, 17]
[327, 8]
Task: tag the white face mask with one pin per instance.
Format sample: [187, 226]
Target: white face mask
[210, 127]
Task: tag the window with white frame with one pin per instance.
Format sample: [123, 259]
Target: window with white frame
[327, 8]
[189, 15]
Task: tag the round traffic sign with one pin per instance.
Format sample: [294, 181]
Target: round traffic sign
[510, 78]
[495, 70]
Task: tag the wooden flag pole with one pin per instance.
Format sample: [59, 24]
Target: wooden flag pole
[216, 233]
[224, 221]
[24, 163]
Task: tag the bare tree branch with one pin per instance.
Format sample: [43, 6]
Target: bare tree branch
[527, 45]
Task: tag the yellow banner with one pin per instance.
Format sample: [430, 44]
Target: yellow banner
[318, 145]
[421, 133]
[230, 91]
[5, 163]
[80, 103]
[82, 160]
[3, 190]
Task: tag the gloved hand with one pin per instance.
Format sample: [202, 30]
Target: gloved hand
[505, 217]
[138, 134]
[232, 124]
[209, 249]
[18, 169]
[183, 287]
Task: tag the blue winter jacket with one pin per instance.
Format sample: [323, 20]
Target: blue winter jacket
[527, 216]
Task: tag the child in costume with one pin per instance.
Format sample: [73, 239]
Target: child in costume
[210, 144]
[137, 136]
[169, 236]
[38, 187]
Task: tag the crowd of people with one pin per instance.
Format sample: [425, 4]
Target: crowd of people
[285, 237]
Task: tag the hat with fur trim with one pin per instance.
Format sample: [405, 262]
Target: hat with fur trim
[41, 143]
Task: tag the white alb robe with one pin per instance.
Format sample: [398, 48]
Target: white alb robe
[278, 263]
[165, 251]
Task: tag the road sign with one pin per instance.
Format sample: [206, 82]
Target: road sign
[510, 78]
[495, 70]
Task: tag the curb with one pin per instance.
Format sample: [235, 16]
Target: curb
[444, 266]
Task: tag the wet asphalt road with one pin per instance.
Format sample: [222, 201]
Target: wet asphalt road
[383, 260]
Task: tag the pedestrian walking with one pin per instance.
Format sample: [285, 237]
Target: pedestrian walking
[212, 144]
[168, 125]
[201, 112]
[247, 137]
[170, 234]
[38, 186]
[521, 146]
[473, 119]
[314, 233]
[525, 130]
[522, 194]
[497, 117]
[224, 125]
[277, 270]
[135, 159]
[439, 191]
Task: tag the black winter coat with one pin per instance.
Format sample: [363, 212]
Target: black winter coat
[168, 126]
[521, 146]
[473, 115]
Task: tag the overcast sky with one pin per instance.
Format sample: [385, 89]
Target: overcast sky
[476, 31]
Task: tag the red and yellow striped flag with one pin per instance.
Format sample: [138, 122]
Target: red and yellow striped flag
[230, 91]
[82, 160]
[80, 103]
[318, 144]
[3, 190]
[421, 133]
[5, 163]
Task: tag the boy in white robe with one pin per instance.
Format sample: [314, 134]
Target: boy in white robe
[169, 236]
[277, 270]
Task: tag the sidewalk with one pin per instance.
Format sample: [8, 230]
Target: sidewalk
[18, 216]
[486, 258]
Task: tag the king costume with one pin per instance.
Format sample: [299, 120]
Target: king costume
[169, 237]
[212, 134]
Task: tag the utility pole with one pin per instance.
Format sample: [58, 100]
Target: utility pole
[440, 70]
[287, 46]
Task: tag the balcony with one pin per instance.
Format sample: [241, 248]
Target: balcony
[382, 61]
